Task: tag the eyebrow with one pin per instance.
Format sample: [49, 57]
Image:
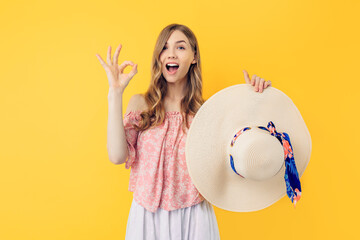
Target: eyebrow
[178, 41]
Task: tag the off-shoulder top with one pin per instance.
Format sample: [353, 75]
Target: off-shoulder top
[159, 177]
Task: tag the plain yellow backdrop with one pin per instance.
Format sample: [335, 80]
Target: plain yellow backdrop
[56, 181]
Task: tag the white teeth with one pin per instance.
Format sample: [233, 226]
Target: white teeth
[171, 64]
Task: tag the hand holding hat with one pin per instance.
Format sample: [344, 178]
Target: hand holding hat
[256, 81]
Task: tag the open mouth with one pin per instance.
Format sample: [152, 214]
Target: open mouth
[172, 68]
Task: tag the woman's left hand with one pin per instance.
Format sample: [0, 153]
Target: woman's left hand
[256, 81]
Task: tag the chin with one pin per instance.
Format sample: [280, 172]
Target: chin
[172, 79]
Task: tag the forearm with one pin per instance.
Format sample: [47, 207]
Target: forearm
[116, 140]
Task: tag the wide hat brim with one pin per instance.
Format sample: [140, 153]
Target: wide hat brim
[215, 124]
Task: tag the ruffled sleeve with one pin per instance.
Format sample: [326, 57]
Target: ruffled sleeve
[131, 135]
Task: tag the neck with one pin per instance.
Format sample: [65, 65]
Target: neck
[176, 91]
[174, 95]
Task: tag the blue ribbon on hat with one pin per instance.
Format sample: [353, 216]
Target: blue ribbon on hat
[293, 186]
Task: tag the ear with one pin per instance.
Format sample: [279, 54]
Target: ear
[193, 61]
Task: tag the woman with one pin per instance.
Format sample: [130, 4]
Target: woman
[166, 205]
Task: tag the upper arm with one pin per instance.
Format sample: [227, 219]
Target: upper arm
[136, 103]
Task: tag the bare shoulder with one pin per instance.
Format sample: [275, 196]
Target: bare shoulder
[136, 103]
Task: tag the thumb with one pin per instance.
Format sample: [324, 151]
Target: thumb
[246, 75]
[133, 71]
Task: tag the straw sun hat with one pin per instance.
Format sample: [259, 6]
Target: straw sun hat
[246, 150]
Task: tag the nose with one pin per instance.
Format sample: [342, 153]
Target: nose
[171, 53]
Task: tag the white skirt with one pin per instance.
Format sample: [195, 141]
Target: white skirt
[194, 222]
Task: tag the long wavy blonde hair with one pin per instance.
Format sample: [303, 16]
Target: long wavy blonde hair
[157, 90]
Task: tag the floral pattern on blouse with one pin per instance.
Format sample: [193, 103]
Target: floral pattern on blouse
[159, 176]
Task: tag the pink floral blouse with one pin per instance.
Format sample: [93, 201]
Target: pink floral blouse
[159, 175]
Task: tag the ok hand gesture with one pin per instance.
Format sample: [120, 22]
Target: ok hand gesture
[256, 81]
[115, 73]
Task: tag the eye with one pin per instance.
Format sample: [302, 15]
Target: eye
[166, 48]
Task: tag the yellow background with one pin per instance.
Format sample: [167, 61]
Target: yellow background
[56, 181]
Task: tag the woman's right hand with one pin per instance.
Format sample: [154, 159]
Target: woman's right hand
[115, 73]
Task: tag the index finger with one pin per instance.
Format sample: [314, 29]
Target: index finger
[124, 65]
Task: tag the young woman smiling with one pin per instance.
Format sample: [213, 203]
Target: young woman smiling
[151, 137]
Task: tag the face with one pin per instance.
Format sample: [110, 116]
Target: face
[177, 51]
